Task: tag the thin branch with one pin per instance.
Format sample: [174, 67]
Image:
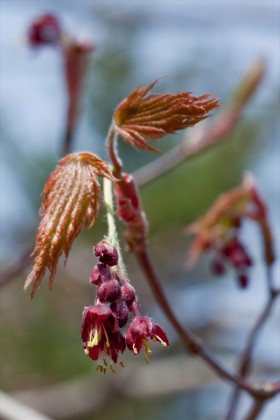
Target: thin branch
[67, 145]
[246, 361]
[161, 378]
[193, 343]
[208, 138]
[246, 358]
[16, 268]
[255, 409]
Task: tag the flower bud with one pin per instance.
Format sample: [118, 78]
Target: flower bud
[243, 280]
[128, 294]
[45, 30]
[119, 308]
[109, 291]
[237, 254]
[106, 253]
[218, 267]
[99, 274]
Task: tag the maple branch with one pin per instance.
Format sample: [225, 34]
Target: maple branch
[194, 344]
[246, 358]
[16, 268]
[255, 409]
[211, 135]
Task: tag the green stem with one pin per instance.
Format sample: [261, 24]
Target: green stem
[112, 235]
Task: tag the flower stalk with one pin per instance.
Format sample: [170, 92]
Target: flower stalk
[112, 235]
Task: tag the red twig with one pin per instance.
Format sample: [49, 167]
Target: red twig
[255, 409]
[246, 359]
[16, 268]
[194, 344]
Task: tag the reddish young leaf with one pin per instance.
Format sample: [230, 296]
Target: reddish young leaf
[139, 117]
[71, 202]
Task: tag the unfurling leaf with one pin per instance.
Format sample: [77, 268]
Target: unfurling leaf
[219, 227]
[139, 117]
[71, 202]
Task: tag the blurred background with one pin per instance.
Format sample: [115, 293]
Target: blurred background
[199, 46]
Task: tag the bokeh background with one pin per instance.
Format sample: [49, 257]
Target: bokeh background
[201, 46]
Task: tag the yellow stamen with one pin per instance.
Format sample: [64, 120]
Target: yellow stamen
[94, 338]
[86, 352]
[135, 351]
[112, 369]
[147, 349]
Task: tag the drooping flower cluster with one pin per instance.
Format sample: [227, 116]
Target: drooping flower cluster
[116, 301]
[235, 254]
[219, 230]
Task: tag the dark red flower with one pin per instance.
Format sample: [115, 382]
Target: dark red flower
[45, 30]
[128, 294]
[99, 274]
[139, 331]
[220, 226]
[234, 254]
[106, 253]
[218, 267]
[109, 291]
[237, 254]
[120, 309]
[101, 337]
